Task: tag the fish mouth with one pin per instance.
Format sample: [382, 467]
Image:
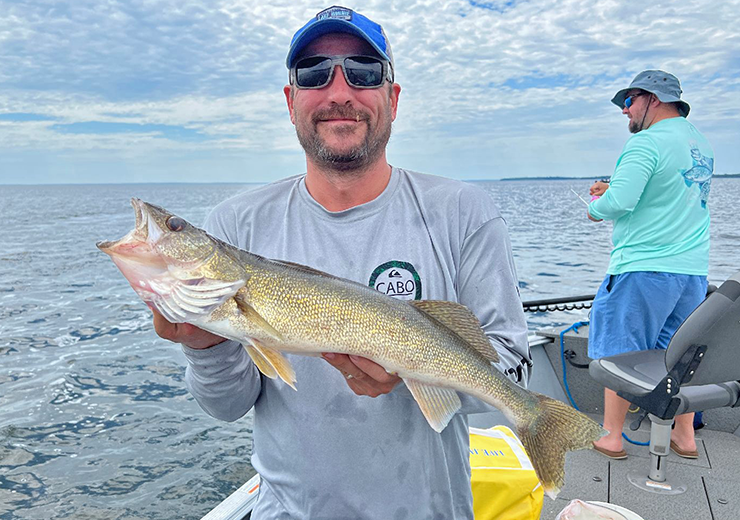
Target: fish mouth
[137, 243]
[135, 255]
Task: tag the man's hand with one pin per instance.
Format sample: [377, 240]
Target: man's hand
[591, 218]
[189, 335]
[598, 188]
[363, 376]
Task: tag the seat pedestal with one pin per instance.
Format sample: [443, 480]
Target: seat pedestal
[660, 442]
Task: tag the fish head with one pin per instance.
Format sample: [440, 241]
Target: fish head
[169, 261]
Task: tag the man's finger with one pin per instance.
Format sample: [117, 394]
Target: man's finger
[359, 368]
[372, 369]
[184, 333]
[342, 363]
[363, 389]
[162, 327]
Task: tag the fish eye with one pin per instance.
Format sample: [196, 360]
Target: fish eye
[175, 223]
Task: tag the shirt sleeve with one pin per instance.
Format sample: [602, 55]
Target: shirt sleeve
[223, 379]
[488, 285]
[634, 167]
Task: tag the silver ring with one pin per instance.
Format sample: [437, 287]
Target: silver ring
[348, 376]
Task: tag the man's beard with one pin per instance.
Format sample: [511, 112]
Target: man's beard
[634, 127]
[355, 159]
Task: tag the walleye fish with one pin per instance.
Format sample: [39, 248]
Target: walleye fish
[270, 307]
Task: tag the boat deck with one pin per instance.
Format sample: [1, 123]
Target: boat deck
[712, 480]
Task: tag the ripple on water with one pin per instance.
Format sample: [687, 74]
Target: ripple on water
[78, 386]
[67, 340]
[128, 479]
[14, 376]
[20, 487]
[24, 342]
[63, 432]
[222, 483]
[13, 456]
[88, 333]
[8, 311]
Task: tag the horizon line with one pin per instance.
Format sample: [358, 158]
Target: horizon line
[195, 183]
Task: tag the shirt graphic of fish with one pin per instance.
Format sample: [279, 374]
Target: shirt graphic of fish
[700, 173]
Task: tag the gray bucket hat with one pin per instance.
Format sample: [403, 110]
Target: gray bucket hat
[665, 86]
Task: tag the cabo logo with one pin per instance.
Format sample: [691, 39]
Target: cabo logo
[397, 279]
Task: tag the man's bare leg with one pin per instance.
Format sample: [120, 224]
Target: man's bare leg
[615, 410]
[683, 433]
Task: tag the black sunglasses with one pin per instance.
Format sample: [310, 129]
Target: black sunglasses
[359, 71]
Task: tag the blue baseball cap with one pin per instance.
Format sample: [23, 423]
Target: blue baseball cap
[340, 19]
[665, 86]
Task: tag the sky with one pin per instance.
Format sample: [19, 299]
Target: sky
[115, 91]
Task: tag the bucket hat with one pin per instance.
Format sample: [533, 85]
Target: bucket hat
[665, 86]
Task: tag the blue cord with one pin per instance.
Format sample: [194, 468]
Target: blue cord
[575, 327]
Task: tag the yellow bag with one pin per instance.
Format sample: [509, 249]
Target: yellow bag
[505, 486]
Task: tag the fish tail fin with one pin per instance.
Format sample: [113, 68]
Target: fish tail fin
[556, 429]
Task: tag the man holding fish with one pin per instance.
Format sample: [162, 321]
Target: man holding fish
[354, 440]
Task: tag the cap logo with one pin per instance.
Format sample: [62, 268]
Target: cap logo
[336, 13]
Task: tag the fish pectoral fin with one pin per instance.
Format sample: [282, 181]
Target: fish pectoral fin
[460, 320]
[255, 319]
[437, 404]
[271, 361]
[194, 299]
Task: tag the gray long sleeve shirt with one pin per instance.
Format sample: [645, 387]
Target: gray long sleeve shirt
[323, 452]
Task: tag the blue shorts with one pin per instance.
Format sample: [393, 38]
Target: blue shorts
[641, 310]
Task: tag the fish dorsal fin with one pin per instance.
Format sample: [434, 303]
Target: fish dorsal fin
[254, 317]
[437, 404]
[461, 321]
[271, 362]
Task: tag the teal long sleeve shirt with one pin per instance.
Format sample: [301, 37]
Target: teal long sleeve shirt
[658, 200]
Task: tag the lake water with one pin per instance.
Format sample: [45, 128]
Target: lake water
[95, 421]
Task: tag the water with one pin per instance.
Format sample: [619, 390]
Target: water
[95, 422]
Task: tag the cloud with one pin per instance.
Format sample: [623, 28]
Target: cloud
[490, 88]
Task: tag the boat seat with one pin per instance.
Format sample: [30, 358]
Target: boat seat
[698, 371]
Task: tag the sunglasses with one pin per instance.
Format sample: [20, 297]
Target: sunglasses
[628, 101]
[359, 71]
